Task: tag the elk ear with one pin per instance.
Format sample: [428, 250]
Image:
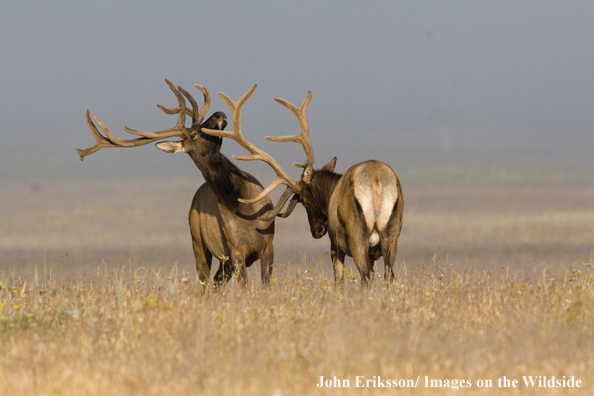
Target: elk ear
[307, 174]
[330, 165]
[170, 147]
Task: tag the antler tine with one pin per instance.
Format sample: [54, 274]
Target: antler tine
[196, 116]
[179, 128]
[194, 109]
[174, 110]
[292, 204]
[255, 152]
[279, 206]
[303, 138]
[101, 140]
[206, 105]
[109, 140]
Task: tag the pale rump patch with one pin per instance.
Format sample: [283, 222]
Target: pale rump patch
[377, 194]
[377, 198]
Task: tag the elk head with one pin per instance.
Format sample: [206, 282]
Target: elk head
[193, 142]
[314, 198]
[310, 190]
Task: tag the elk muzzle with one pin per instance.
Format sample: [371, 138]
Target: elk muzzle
[318, 227]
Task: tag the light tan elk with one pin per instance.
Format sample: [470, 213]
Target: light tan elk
[220, 225]
[361, 210]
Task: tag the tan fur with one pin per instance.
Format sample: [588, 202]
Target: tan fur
[234, 236]
[353, 231]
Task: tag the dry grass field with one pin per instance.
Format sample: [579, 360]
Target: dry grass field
[99, 296]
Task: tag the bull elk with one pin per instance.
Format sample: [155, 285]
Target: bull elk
[361, 210]
[220, 225]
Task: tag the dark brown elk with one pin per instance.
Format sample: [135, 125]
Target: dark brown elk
[220, 225]
[361, 210]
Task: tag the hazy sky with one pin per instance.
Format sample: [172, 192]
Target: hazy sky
[399, 81]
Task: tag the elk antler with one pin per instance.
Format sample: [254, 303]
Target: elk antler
[303, 138]
[258, 154]
[109, 140]
[255, 152]
[197, 116]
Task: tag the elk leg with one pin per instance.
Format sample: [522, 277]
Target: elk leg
[239, 266]
[266, 261]
[361, 258]
[338, 264]
[371, 271]
[224, 273]
[242, 277]
[374, 254]
[389, 237]
[203, 258]
[389, 253]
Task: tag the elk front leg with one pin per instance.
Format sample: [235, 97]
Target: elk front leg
[224, 273]
[242, 277]
[238, 264]
[266, 261]
[203, 258]
[338, 264]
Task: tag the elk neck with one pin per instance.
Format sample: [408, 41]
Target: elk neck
[321, 187]
[208, 144]
[225, 179]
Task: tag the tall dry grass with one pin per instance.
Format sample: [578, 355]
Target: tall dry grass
[135, 331]
[99, 296]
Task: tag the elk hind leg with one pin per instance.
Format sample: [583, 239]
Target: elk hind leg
[360, 252]
[389, 253]
[338, 264]
[374, 254]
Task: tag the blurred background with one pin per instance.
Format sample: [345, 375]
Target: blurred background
[463, 96]
[414, 84]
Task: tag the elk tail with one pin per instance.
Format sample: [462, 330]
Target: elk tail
[374, 238]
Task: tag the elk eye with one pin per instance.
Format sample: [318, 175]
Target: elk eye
[193, 136]
[320, 229]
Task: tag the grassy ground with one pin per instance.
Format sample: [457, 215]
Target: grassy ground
[136, 331]
[99, 296]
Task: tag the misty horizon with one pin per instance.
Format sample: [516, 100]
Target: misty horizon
[413, 85]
